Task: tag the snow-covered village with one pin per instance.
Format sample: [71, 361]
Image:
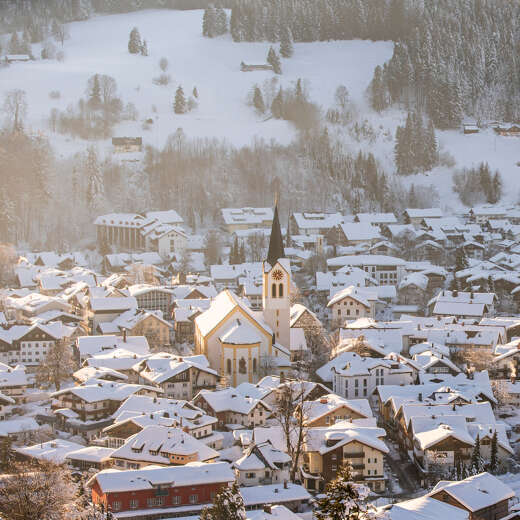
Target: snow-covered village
[259, 260]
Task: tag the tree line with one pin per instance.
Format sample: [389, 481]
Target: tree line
[477, 185]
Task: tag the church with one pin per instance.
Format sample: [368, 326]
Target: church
[244, 345]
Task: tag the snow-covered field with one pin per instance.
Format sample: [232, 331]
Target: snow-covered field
[99, 45]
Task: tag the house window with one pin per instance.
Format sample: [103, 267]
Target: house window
[155, 501]
[172, 244]
[116, 506]
[250, 475]
[176, 500]
[194, 499]
[273, 290]
[280, 290]
[134, 503]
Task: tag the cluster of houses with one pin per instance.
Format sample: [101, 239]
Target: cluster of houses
[179, 379]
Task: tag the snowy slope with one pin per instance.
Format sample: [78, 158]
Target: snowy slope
[213, 65]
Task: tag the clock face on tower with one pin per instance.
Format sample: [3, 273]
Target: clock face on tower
[277, 275]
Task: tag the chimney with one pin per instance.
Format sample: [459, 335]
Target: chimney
[124, 335]
[323, 400]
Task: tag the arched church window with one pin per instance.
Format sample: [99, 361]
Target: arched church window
[280, 290]
[254, 365]
[229, 366]
[242, 367]
[273, 290]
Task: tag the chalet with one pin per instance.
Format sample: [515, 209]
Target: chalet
[353, 234]
[330, 409]
[302, 317]
[152, 297]
[508, 129]
[415, 216]
[353, 303]
[161, 446]
[313, 223]
[178, 377]
[13, 382]
[250, 67]
[482, 214]
[231, 408]
[184, 322]
[412, 289]
[246, 218]
[327, 449]
[484, 496]
[468, 128]
[127, 144]
[262, 464]
[376, 219]
[139, 411]
[94, 458]
[14, 58]
[462, 304]
[87, 409]
[54, 451]
[157, 491]
[101, 310]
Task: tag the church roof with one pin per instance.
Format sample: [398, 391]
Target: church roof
[241, 333]
[276, 250]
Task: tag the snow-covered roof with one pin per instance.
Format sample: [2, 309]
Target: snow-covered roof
[241, 332]
[249, 216]
[113, 304]
[89, 346]
[14, 426]
[360, 231]
[163, 440]
[90, 454]
[317, 220]
[191, 474]
[255, 495]
[231, 400]
[55, 451]
[364, 296]
[476, 492]
[424, 212]
[376, 218]
[329, 403]
[362, 260]
[163, 366]
[422, 508]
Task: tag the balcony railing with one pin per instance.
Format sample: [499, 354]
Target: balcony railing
[354, 455]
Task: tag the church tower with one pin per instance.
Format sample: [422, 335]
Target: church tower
[276, 294]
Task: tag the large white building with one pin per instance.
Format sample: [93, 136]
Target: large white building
[242, 344]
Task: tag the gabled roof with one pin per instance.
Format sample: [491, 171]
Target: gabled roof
[477, 492]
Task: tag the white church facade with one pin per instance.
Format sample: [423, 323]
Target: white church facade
[243, 345]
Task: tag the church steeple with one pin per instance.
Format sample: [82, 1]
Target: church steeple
[276, 250]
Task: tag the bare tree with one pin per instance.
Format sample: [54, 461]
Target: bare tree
[256, 247]
[290, 412]
[60, 32]
[57, 366]
[15, 108]
[40, 491]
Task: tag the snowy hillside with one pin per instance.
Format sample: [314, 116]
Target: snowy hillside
[99, 45]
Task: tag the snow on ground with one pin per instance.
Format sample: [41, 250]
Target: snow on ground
[99, 45]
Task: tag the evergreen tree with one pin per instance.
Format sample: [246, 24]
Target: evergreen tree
[298, 91]
[209, 22]
[496, 188]
[286, 43]
[258, 100]
[220, 21]
[144, 48]
[274, 60]
[343, 499]
[195, 93]
[14, 46]
[134, 41]
[179, 105]
[476, 458]
[493, 462]
[432, 153]
[377, 91]
[94, 99]
[233, 253]
[227, 505]
[277, 105]
[95, 184]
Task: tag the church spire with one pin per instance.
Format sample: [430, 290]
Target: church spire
[276, 241]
